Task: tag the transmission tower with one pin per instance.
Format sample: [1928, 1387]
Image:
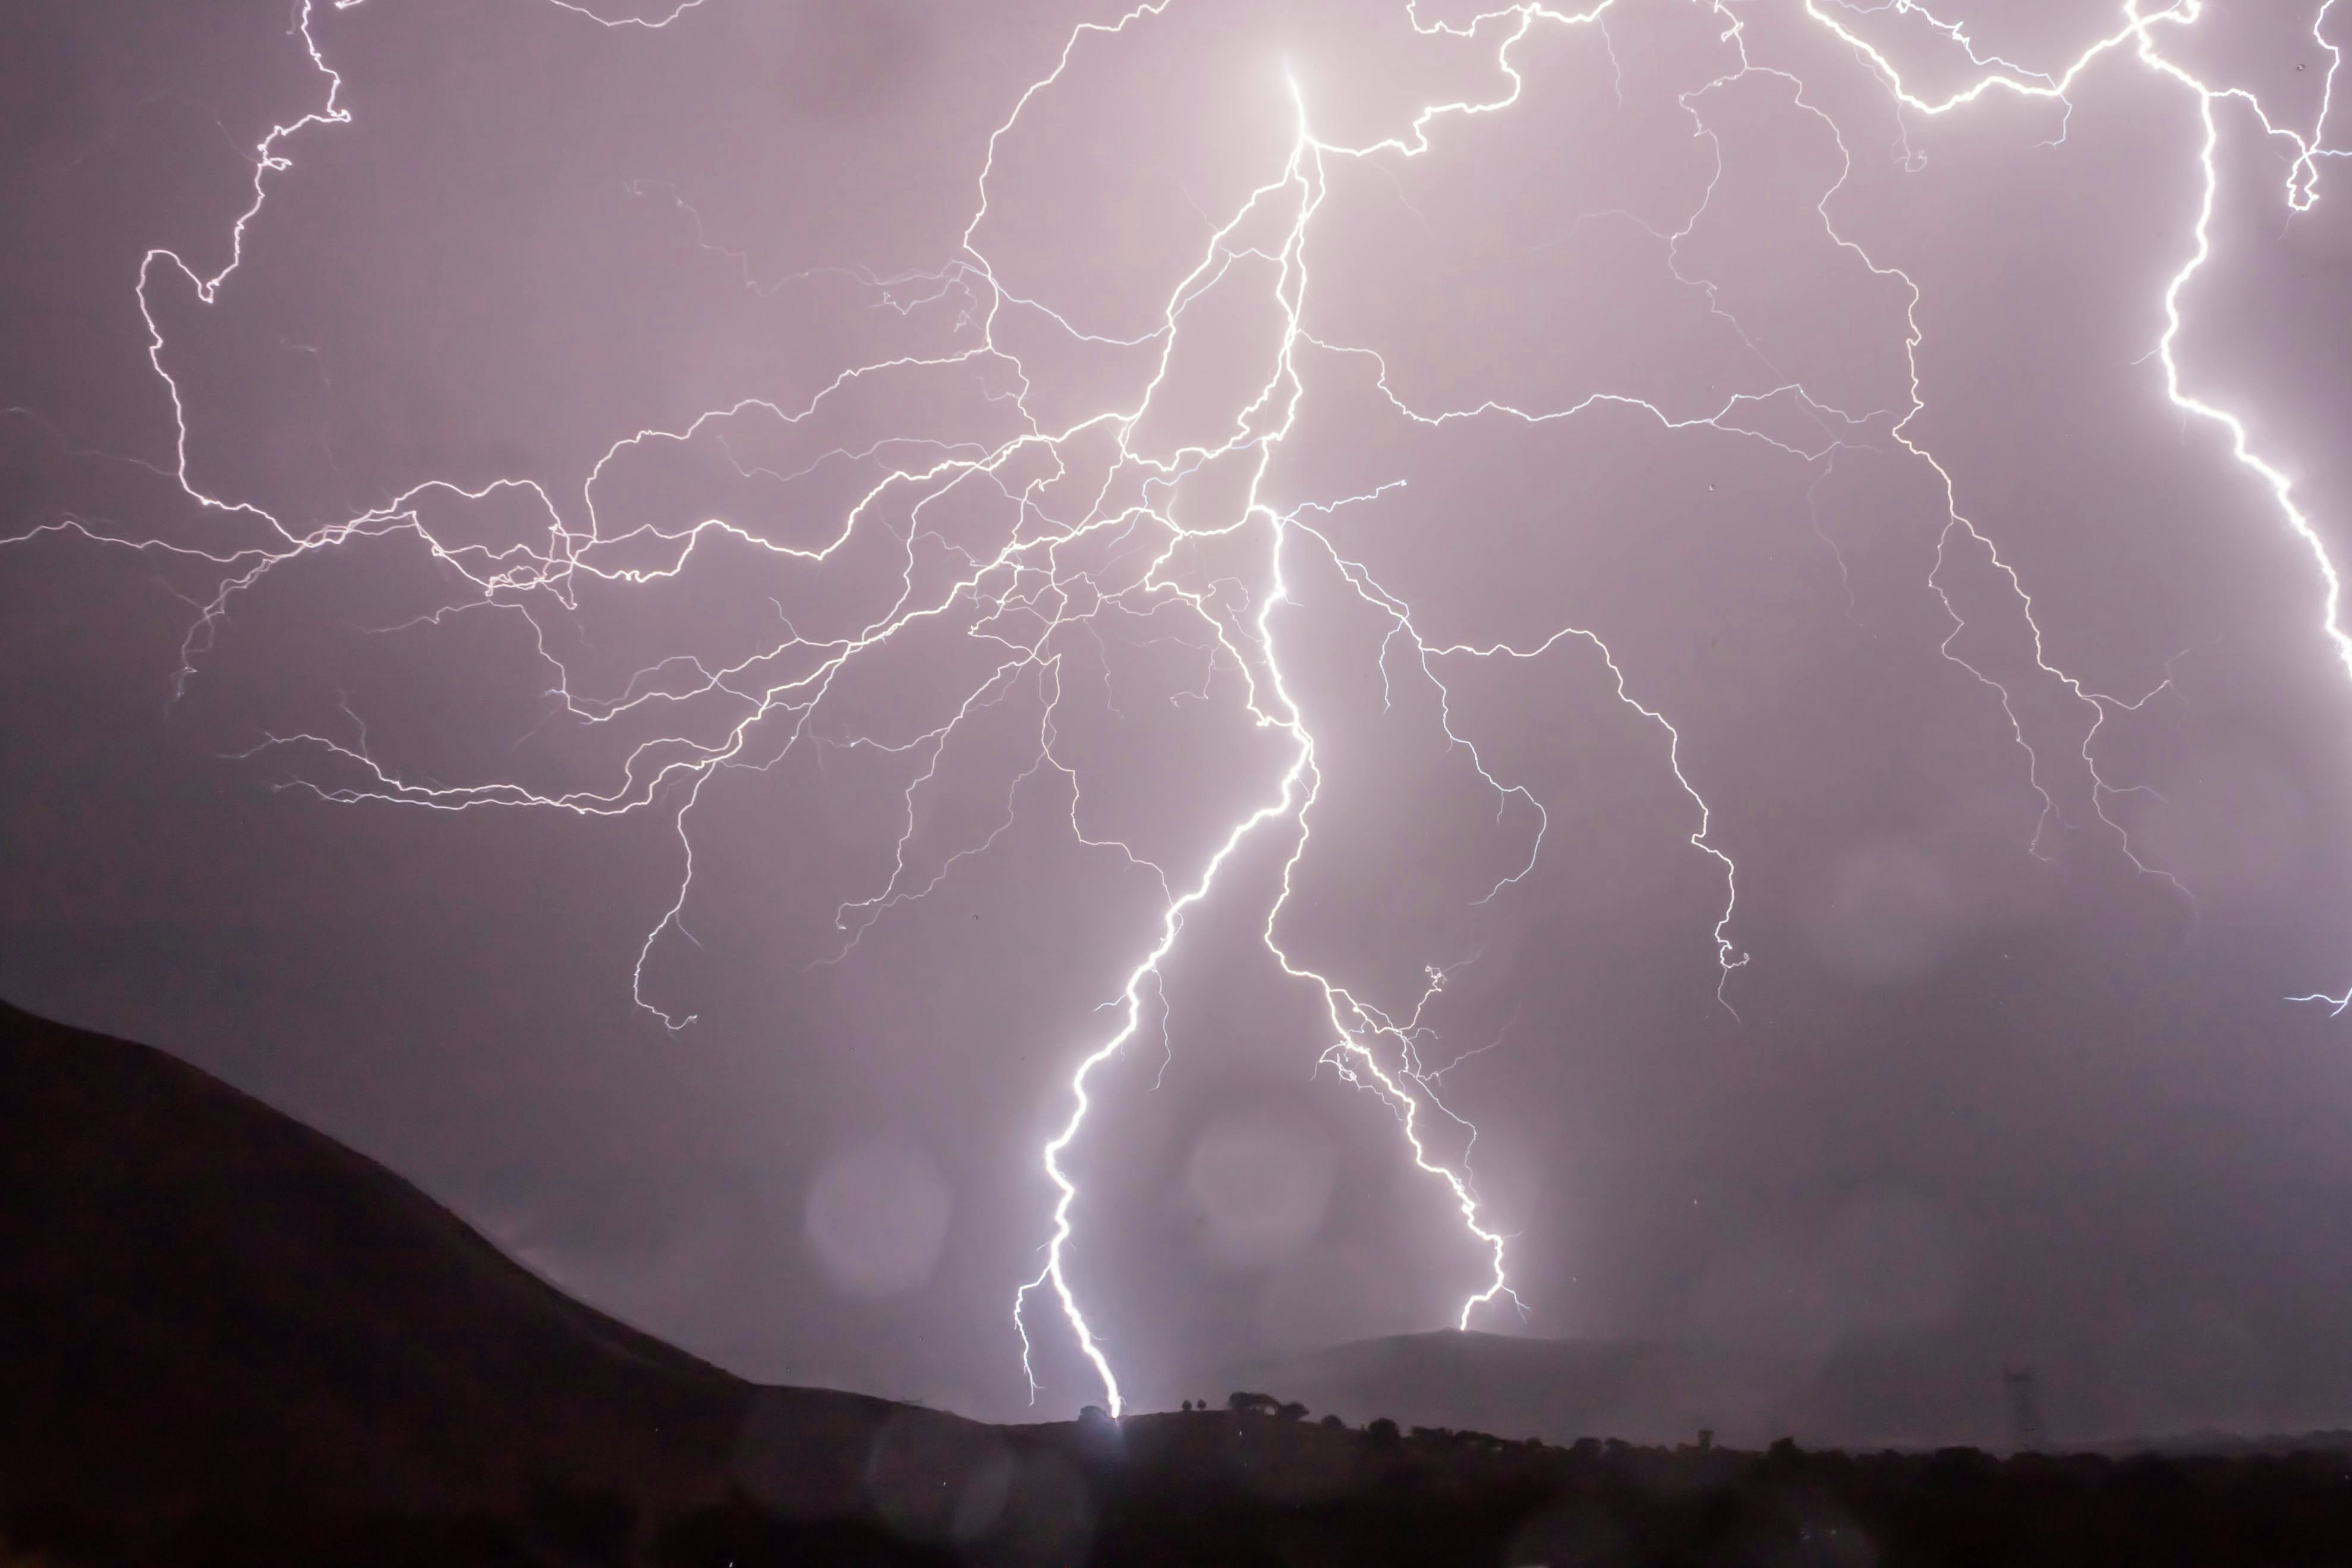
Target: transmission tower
[2024, 1414]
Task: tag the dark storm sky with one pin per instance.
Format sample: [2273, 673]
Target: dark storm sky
[2029, 1109]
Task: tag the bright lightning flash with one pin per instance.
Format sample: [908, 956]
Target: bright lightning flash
[1066, 569]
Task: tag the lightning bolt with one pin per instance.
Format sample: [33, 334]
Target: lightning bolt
[1081, 553]
[2138, 36]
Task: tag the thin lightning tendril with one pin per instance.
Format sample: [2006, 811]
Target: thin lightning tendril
[1060, 574]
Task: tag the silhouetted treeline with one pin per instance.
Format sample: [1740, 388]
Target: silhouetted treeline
[1257, 1486]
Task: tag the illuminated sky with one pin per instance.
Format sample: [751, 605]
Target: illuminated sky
[1679, 647]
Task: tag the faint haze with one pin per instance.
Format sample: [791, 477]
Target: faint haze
[1991, 1095]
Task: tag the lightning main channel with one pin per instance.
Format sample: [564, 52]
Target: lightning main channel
[1081, 552]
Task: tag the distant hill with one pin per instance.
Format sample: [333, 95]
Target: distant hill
[1921, 1393]
[1559, 1390]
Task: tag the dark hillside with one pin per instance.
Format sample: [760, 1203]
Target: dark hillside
[208, 1304]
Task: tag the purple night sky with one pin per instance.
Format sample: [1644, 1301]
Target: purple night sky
[700, 617]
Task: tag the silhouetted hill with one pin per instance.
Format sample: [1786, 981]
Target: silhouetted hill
[207, 1306]
[283, 1315]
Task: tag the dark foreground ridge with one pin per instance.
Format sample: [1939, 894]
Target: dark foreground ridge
[226, 1339]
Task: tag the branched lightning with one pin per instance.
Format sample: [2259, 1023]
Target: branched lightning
[2138, 34]
[1118, 555]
